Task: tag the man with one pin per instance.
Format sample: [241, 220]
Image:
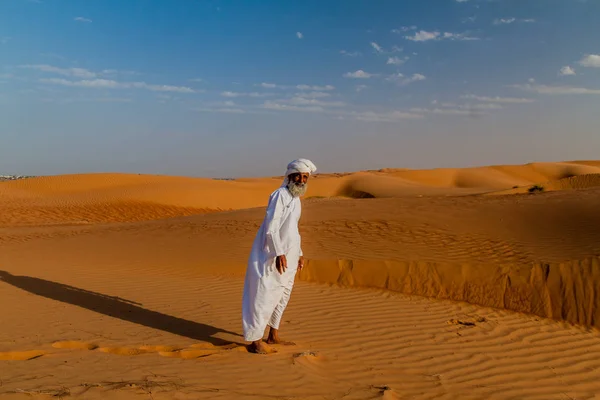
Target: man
[276, 256]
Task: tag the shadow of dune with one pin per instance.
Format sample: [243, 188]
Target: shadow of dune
[116, 307]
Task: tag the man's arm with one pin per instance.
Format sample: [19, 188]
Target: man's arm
[273, 222]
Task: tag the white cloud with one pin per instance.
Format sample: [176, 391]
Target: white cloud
[268, 85]
[423, 36]
[377, 47]
[94, 83]
[82, 19]
[461, 1]
[360, 88]
[350, 53]
[278, 106]
[199, 80]
[333, 109]
[500, 21]
[313, 95]
[390, 116]
[72, 72]
[458, 36]
[380, 50]
[481, 106]
[359, 74]
[396, 60]
[300, 103]
[242, 94]
[402, 80]
[507, 21]
[404, 29]
[4, 39]
[225, 110]
[505, 100]
[567, 71]
[303, 101]
[315, 88]
[299, 35]
[447, 111]
[556, 90]
[158, 88]
[111, 84]
[590, 60]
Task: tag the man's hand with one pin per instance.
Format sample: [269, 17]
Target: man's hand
[300, 263]
[281, 264]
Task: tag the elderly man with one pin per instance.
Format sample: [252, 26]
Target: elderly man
[276, 256]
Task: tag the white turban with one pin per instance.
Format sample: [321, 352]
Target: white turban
[301, 165]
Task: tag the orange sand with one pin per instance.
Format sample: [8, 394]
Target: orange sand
[117, 286]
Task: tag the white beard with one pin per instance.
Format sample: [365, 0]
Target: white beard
[297, 189]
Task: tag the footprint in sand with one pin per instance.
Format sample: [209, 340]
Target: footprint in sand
[310, 361]
[197, 350]
[159, 349]
[74, 345]
[123, 351]
[21, 355]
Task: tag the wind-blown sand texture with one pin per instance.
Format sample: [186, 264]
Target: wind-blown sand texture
[123, 286]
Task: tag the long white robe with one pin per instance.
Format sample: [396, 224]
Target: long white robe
[266, 291]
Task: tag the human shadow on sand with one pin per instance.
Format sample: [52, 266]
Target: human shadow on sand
[116, 307]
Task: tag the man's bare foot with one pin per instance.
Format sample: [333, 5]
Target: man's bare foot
[279, 341]
[274, 338]
[259, 347]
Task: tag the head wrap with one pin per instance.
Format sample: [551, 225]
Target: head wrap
[300, 166]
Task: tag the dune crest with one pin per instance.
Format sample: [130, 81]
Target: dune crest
[112, 197]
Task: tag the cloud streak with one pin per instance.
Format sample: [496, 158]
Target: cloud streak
[223, 110]
[424, 36]
[244, 94]
[82, 19]
[396, 60]
[508, 21]
[402, 80]
[70, 72]
[497, 99]
[448, 111]
[389, 116]
[315, 87]
[350, 53]
[111, 84]
[359, 74]
[557, 90]
[377, 47]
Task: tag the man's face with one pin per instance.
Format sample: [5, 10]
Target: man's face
[297, 183]
[299, 177]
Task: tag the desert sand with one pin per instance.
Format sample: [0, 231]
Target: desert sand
[419, 284]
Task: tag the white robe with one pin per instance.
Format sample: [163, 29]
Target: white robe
[266, 291]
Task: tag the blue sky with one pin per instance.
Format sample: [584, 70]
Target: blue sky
[240, 88]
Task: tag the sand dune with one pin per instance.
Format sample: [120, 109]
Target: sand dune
[94, 198]
[118, 286]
